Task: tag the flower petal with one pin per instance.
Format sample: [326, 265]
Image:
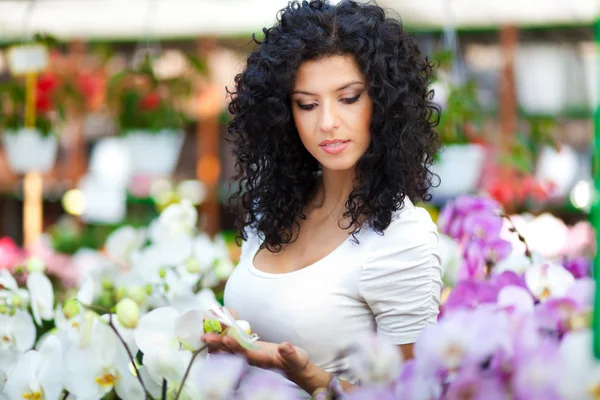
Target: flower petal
[42, 296]
[188, 329]
[156, 329]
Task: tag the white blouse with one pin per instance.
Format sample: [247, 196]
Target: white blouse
[390, 283]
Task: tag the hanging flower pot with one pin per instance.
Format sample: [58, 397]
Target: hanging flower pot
[459, 167]
[154, 153]
[591, 62]
[540, 71]
[28, 150]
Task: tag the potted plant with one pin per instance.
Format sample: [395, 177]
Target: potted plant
[151, 117]
[460, 161]
[32, 148]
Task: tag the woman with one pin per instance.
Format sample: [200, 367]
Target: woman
[333, 127]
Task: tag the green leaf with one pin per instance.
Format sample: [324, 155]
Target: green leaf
[199, 64]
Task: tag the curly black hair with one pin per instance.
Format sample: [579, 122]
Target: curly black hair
[275, 171]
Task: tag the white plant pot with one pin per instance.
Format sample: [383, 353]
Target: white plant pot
[104, 201]
[560, 167]
[591, 66]
[154, 154]
[540, 75]
[27, 150]
[459, 168]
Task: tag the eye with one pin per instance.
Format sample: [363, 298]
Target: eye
[306, 107]
[351, 100]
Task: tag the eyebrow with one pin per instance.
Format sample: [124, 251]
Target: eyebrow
[337, 90]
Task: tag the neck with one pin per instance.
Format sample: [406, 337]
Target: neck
[334, 191]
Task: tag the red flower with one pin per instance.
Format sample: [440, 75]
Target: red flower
[47, 83]
[89, 84]
[43, 103]
[150, 102]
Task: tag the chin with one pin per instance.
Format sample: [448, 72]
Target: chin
[339, 165]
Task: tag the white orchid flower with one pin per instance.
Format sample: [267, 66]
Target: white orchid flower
[8, 281]
[146, 263]
[179, 219]
[123, 242]
[207, 251]
[451, 259]
[16, 332]
[165, 327]
[581, 372]
[167, 338]
[235, 329]
[77, 321]
[216, 377]
[103, 365]
[374, 360]
[42, 296]
[182, 297]
[37, 374]
[548, 280]
[12, 291]
[174, 231]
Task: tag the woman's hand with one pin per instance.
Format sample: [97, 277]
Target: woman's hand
[282, 356]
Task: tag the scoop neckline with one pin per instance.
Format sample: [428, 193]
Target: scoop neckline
[273, 275]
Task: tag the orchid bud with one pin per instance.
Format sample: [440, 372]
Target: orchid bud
[107, 284]
[223, 269]
[71, 308]
[35, 264]
[16, 300]
[244, 326]
[120, 293]
[162, 273]
[166, 287]
[212, 325]
[128, 313]
[148, 288]
[3, 309]
[137, 294]
[192, 265]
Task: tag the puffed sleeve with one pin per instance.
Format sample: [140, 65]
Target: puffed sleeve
[401, 278]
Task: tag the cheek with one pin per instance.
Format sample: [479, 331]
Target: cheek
[303, 125]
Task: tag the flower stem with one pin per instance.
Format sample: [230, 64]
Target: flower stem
[137, 371]
[521, 237]
[66, 395]
[187, 371]
[164, 389]
[114, 328]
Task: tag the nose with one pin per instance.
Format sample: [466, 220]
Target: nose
[329, 119]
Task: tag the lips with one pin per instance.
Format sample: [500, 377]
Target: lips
[334, 146]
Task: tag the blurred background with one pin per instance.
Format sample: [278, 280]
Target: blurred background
[129, 111]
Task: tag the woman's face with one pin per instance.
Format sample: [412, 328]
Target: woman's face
[332, 111]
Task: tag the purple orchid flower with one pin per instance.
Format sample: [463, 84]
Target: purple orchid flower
[580, 267]
[451, 220]
[469, 294]
[537, 372]
[267, 386]
[482, 226]
[470, 384]
[553, 316]
[508, 278]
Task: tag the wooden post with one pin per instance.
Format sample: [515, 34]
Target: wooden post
[33, 186]
[508, 100]
[208, 166]
[76, 159]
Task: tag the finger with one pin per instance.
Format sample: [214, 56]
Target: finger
[233, 345]
[291, 357]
